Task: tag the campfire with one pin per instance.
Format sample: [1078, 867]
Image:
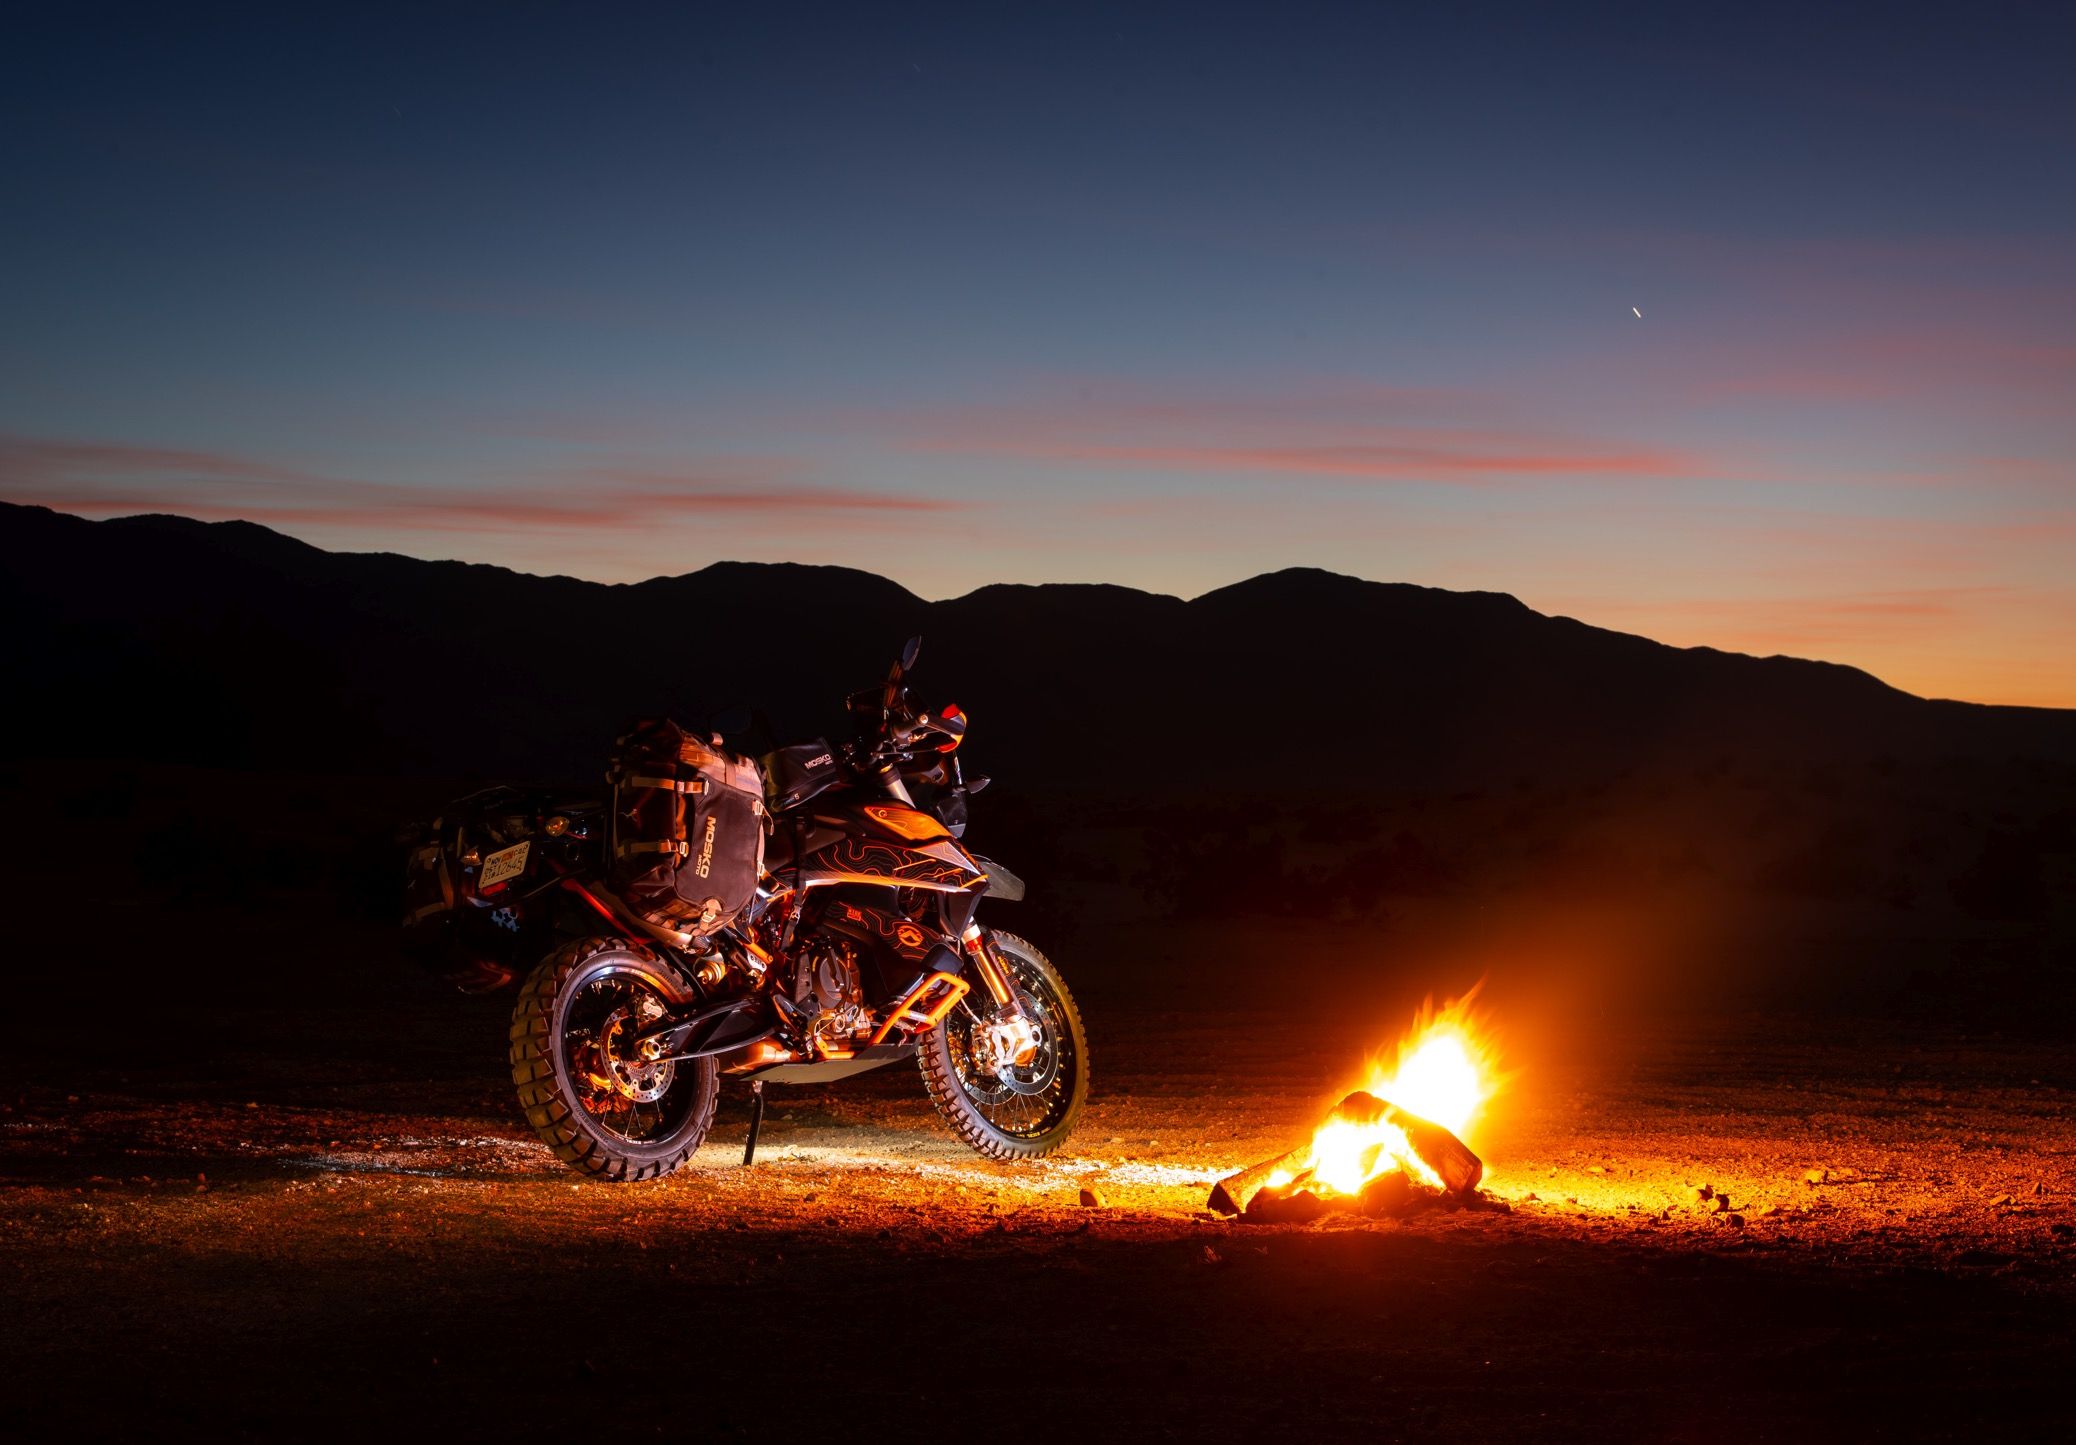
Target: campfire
[1394, 1146]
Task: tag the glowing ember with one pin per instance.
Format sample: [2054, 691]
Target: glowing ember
[1445, 1070]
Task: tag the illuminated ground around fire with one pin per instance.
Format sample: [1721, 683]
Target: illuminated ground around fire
[318, 1247]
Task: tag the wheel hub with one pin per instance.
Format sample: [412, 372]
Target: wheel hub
[641, 1079]
[1018, 1050]
[1010, 1042]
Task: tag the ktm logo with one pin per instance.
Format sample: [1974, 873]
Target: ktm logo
[705, 864]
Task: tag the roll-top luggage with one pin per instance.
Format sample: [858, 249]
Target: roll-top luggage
[687, 839]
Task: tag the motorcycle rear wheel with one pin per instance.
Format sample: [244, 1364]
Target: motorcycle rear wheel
[603, 1113]
[1033, 1113]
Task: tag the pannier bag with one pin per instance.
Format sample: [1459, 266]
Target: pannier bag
[687, 841]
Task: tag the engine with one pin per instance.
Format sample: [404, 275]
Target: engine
[829, 994]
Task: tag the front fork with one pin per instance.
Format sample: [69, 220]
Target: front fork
[1012, 1037]
[988, 964]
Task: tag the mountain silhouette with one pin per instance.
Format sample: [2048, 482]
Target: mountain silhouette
[226, 643]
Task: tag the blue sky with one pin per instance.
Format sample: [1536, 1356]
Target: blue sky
[973, 294]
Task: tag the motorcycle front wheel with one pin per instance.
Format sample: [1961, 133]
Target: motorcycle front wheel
[603, 1110]
[1019, 1111]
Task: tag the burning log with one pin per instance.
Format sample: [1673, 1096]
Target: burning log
[1388, 1196]
[1232, 1194]
[1299, 1186]
[1374, 1154]
[1290, 1204]
[1448, 1156]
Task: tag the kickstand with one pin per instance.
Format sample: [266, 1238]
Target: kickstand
[749, 1152]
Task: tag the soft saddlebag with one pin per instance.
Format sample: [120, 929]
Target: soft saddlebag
[687, 840]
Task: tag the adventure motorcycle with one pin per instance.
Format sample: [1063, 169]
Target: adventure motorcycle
[859, 946]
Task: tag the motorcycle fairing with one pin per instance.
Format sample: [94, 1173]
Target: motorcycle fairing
[940, 867]
[911, 825]
[852, 845]
[866, 920]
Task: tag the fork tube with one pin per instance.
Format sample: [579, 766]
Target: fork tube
[990, 968]
[890, 779]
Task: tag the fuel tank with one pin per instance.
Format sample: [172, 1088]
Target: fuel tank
[882, 841]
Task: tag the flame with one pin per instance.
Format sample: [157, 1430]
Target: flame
[1445, 1070]
[1345, 1155]
[1445, 1075]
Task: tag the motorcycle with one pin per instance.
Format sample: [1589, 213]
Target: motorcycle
[860, 947]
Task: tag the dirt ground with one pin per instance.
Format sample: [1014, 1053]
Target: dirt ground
[351, 1234]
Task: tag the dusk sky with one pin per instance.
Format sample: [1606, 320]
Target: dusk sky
[1160, 296]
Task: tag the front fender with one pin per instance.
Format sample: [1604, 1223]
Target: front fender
[1002, 883]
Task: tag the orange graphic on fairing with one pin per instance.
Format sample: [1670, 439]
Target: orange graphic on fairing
[906, 822]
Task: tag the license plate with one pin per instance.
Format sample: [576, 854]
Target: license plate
[505, 863]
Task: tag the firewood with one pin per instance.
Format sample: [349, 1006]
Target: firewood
[1390, 1195]
[1290, 1206]
[1247, 1193]
[1448, 1156]
[1232, 1194]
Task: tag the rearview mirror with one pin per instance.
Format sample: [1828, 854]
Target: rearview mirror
[908, 653]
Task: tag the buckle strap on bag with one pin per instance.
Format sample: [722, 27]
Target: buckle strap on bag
[666, 785]
[676, 848]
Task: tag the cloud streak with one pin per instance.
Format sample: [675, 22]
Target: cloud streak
[1413, 459]
[1337, 430]
[109, 479]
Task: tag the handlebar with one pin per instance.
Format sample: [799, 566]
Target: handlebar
[947, 727]
[890, 730]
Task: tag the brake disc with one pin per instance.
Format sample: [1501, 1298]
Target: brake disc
[642, 1081]
[1035, 1075]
